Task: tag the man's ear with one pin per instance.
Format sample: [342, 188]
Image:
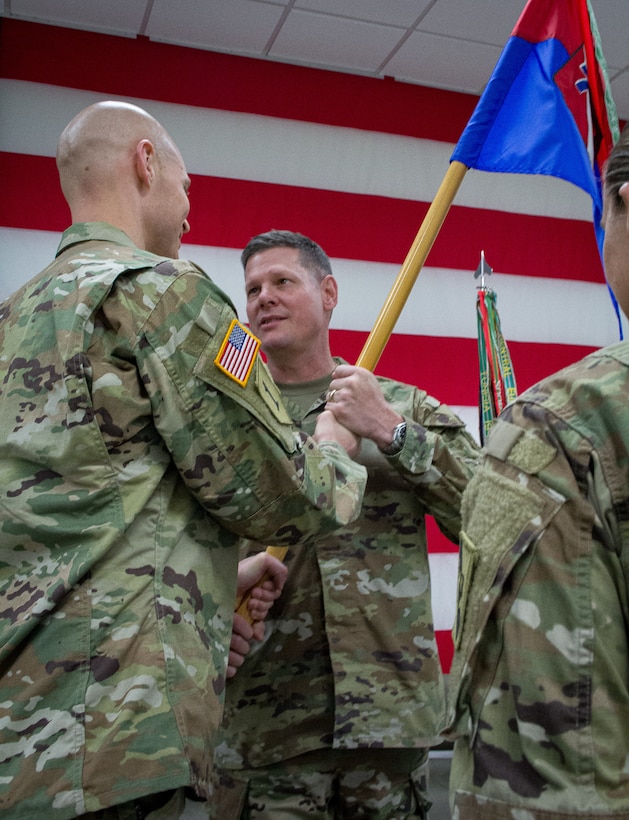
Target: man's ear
[623, 193]
[145, 162]
[329, 292]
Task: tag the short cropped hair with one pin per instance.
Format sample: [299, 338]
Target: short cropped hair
[311, 256]
[617, 168]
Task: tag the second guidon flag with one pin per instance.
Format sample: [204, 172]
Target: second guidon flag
[547, 108]
[497, 385]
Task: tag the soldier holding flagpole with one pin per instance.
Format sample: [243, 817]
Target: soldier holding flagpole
[332, 715]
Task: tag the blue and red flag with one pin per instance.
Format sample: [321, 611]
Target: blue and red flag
[547, 108]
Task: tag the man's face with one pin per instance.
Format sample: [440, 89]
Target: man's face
[287, 307]
[170, 204]
[616, 250]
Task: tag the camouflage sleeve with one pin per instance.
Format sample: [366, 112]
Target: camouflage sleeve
[505, 509]
[540, 634]
[233, 444]
[438, 458]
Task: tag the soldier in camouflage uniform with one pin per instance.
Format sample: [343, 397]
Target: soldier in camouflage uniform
[542, 664]
[332, 715]
[131, 463]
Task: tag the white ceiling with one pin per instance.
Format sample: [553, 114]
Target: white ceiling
[452, 44]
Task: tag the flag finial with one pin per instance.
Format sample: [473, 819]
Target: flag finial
[482, 271]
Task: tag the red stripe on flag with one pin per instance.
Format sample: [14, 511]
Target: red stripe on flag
[36, 201]
[447, 367]
[228, 212]
[53, 55]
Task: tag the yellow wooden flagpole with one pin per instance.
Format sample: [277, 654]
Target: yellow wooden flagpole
[415, 258]
[398, 296]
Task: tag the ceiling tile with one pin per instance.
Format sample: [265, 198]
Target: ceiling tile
[321, 39]
[402, 13]
[485, 21]
[244, 26]
[436, 61]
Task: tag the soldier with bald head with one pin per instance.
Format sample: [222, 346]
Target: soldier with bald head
[118, 165]
[140, 438]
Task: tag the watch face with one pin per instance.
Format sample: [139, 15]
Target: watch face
[399, 437]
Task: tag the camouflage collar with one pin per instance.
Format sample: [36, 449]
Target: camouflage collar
[84, 231]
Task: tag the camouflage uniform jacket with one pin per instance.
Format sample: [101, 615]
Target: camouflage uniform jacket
[350, 658]
[130, 465]
[542, 661]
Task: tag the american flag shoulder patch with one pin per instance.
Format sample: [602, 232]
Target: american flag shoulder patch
[238, 352]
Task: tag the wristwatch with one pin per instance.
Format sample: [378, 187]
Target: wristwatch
[397, 442]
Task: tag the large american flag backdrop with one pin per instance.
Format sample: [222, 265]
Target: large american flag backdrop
[352, 161]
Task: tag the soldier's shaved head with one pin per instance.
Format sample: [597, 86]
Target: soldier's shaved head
[117, 164]
[98, 139]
